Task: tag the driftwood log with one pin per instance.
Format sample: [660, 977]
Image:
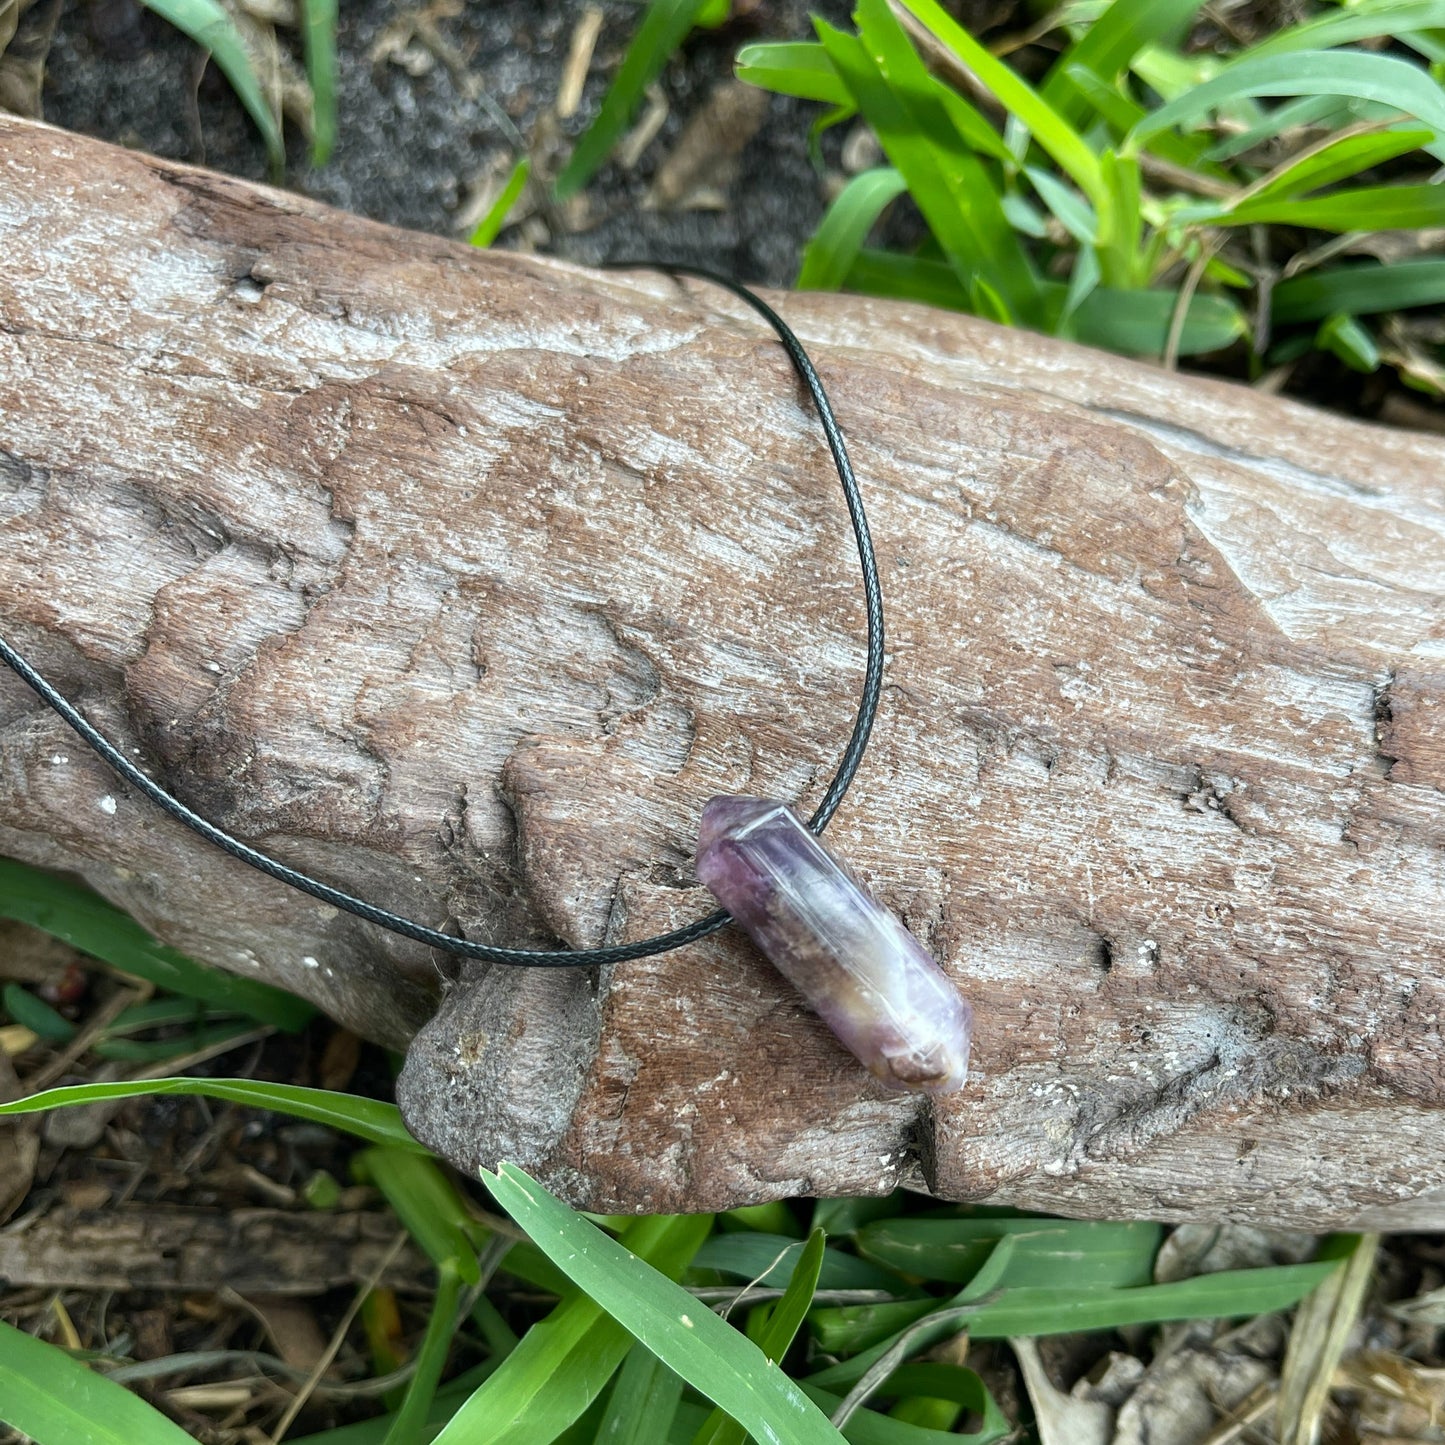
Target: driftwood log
[465, 579]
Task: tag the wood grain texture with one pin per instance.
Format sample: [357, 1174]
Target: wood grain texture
[466, 579]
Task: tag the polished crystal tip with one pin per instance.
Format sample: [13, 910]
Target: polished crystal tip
[867, 976]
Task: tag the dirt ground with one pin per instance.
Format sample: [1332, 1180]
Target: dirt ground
[413, 148]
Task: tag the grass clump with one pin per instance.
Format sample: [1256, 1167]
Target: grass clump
[1139, 196]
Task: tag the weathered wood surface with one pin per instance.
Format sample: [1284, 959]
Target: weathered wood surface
[465, 580]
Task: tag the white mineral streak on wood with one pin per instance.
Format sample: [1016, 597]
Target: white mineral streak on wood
[466, 580]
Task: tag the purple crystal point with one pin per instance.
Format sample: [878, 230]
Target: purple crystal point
[855, 963]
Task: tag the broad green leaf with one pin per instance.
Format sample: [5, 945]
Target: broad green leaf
[367, 1118]
[1365, 289]
[1337, 161]
[73, 913]
[687, 1337]
[564, 1363]
[948, 183]
[1108, 47]
[207, 23]
[1347, 339]
[1136, 323]
[1088, 1255]
[661, 33]
[55, 1400]
[1380, 78]
[1047, 126]
[799, 68]
[777, 1335]
[770, 1259]
[490, 226]
[643, 1403]
[427, 1203]
[830, 254]
[318, 33]
[1377, 208]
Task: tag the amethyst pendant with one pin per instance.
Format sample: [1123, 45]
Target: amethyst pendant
[854, 962]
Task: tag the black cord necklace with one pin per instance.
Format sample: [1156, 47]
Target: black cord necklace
[872, 981]
[566, 957]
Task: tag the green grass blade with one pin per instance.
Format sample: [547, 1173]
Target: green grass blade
[1351, 342]
[74, 914]
[787, 1315]
[444, 1405]
[318, 35]
[1068, 148]
[1109, 45]
[55, 1400]
[782, 1325]
[799, 68]
[1380, 78]
[410, 1420]
[1324, 112]
[212, 29]
[157, 1013]
[867, 1427]
[1121, 115]
[829, 255]
[1380, 208]
[1134, 323]
[662, 31]
[565, 1362]
[689, 1338]
[1089, 1255]
[1346, 26]
[643, 1403]
[1120, 246]
[36, 1015]
[427, 1203]
[368, 1119]
[1361, 290]
[1070, 209]
[1230, 1294]
[490, 226]
[770, 1259]
[1339, 160]
[948, 183]
[155, 1051]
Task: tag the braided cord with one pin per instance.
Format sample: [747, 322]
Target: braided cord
[526, 957]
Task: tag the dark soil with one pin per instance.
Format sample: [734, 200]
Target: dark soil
[411, 147]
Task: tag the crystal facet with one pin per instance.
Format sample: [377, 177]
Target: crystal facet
[854, 962]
